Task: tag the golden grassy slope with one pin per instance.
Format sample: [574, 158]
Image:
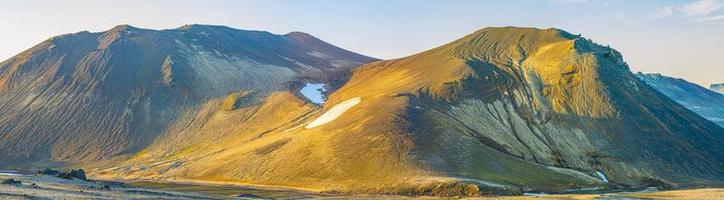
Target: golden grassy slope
[265, 144]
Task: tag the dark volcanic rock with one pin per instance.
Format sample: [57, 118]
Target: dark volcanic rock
[48, 171]
[73, 173]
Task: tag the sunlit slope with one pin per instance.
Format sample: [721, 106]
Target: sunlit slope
[86, 97]
[502, 110]
[544, 96]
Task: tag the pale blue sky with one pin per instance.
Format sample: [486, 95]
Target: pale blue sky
[675, 37]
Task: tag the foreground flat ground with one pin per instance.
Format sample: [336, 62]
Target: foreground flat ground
[694, 194]
[49, 187]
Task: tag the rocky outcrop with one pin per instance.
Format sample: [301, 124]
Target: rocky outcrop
[73, 174]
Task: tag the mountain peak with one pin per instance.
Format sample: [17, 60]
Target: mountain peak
[506, 40]
[301, 36]
[513, 30]
[116, 33]
[122, 27]
[298, 34]
[202, 26]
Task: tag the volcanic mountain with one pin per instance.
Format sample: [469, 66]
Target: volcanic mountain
[502, 110]
[90, 96]
[704, 102]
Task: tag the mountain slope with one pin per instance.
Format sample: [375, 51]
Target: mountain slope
[502, 110]
[719, 87]
[544, 96]
[87, 96]
[704, 102]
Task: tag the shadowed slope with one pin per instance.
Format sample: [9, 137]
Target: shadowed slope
[718, 87]
[707, 103]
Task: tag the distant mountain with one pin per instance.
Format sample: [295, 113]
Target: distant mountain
[719, 87]
[502, 110]
[704, 102]
[87, 96]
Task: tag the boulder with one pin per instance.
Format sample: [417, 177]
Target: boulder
[73, 173]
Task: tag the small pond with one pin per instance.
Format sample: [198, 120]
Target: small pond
[314, 92]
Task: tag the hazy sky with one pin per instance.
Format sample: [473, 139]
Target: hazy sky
[674, 37]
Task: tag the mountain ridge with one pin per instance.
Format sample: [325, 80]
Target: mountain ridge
[502, 110]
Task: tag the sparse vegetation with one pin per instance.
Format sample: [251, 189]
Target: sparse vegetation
[10, 181]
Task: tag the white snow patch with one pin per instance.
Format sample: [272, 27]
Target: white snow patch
[716, 119]
[334, 112]
[318, 54]
[602, 176]
[300, 64]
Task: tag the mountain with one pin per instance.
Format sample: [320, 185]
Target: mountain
[719, 87]
[704, 102]
[86, 96]
[502, 111]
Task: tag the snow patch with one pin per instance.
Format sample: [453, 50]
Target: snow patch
[716, 119]
[318, 54]
[334, 112]
[602, 176]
